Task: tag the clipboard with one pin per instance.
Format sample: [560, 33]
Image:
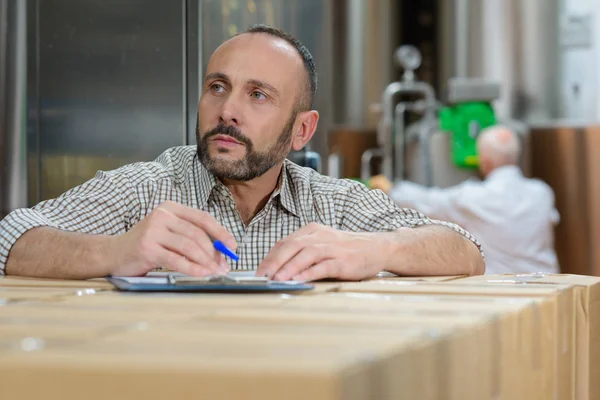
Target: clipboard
[215, 283]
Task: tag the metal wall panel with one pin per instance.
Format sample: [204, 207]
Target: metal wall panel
[111, 85]
[13, 67]
[116, 81]
[3, 102]
[33, 110]
[513, 42]
[192, 79]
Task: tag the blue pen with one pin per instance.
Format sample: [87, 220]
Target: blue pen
[220, 247]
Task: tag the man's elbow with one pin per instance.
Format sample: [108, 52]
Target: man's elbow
[468, 254]
[476, 261]
[479, 268]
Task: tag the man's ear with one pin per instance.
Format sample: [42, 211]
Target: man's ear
[484, 165]
[304, 128]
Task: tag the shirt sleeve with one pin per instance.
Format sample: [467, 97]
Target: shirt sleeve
[373, 211]
[439, 203]
[106, 204]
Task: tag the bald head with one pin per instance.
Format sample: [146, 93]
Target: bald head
[306, 100]
[497, 146]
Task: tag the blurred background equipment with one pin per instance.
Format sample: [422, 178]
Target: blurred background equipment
[454, 127]
[13, 74]
[404, 86]
[89, 85]
[118, 81]
[392, 141]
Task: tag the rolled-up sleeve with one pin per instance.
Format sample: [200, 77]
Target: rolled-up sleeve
[367, 210]
[106, 204]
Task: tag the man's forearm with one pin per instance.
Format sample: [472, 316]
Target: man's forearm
[49, 252]
[433, 250]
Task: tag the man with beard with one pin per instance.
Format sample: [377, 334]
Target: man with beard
[283, 220]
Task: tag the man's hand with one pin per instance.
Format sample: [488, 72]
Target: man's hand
[175, 237]
[317, 252]
[381, 182]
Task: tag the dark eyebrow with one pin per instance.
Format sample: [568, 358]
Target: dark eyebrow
[263, 85]
[254, 82]
[217, 75]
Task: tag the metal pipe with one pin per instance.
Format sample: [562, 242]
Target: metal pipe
[16, 86]
[384, 131]
[461, 40]
[429, 125]
[365, 162]
[355, 61]
[3, 101]
[384, 128]
[399, 140]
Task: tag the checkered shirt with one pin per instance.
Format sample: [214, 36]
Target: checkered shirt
[114, 201]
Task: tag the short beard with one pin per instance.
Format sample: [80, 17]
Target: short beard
[254, 163]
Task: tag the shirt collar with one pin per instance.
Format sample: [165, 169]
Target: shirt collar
[284, 190]
[206, 183]
[504, 172]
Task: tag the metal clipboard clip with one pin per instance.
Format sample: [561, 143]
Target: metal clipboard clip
[217, 280]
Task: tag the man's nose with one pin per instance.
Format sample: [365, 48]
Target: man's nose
[230, 112]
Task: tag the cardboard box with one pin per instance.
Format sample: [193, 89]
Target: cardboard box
[587, 318]
[12, 295]
[460, 362]
[240, 361]
[401, 364]
[410, 360]
[512, 351]
[415, 356]
[327, 345]
[556, 313]
[66, 354]
[19, 281]
[140, 373]
[385, 275]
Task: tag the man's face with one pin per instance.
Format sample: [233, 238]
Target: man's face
[247, 111]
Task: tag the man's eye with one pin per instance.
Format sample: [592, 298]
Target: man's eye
[215, 87]
[258, 95]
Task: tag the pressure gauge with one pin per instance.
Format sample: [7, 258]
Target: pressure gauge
[408, 57]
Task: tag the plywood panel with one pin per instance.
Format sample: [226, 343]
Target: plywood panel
[558, 157]
[350, 144]
[592, 175]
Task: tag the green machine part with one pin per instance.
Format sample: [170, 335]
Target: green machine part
[464, 121]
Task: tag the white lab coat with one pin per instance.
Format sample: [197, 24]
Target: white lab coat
[512, 216]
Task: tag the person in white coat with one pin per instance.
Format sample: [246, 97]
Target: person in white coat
[513, 216]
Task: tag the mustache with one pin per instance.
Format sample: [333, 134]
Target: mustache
[230, 131]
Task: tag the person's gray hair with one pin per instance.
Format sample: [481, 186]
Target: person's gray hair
[500, 144]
